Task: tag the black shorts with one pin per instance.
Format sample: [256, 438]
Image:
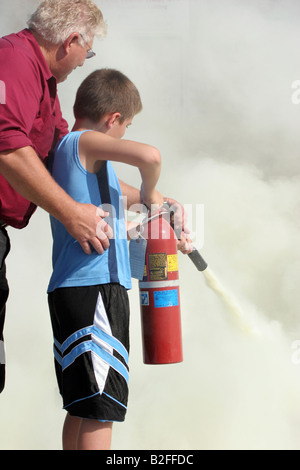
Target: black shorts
[91, 346]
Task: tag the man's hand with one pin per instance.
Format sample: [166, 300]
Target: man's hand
[89, 229]
[185, 244]
[178, 221]
[179, 216]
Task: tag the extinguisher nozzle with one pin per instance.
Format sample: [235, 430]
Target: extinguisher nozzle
[197, 259]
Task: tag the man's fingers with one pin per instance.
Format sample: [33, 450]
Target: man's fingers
[101, 213]
[104, 231]
[86, 247]
[185, 244]
[99, 245]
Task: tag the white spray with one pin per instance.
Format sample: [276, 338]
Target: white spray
[245, 321]
[243, 318]
[228, 300]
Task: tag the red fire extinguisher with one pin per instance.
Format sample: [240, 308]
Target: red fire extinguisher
[159, 293]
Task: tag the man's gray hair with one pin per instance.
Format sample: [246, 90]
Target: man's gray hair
[55, 20]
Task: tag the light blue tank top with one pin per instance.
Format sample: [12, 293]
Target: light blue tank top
[71, 266]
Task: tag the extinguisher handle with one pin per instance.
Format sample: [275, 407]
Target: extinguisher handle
[197, 259]
[195, 256]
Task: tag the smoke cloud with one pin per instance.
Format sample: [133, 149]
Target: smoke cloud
[216, 83]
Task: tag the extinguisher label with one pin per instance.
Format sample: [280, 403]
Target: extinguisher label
[166, 298]
[158, 266]
[144, 298]
[172, 263]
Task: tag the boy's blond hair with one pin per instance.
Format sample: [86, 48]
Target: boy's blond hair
[55, 20]
[107, 91]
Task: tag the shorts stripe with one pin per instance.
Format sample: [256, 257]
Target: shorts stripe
[91, 346]
[81, 399]
[57, 356]
[102, 335]
[117, 401]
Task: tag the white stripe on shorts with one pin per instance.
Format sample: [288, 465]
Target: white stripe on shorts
[101, 367]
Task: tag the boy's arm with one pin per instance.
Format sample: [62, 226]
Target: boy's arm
[96, 147]
[25, 172]
[132, 196]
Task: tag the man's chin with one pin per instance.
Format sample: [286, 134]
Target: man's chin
[62, 79]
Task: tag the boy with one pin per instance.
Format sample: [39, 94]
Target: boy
[88, 293]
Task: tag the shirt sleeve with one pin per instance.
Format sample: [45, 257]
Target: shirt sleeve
[21, 81]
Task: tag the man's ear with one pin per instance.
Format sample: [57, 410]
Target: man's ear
[70, 40]
[111, 119]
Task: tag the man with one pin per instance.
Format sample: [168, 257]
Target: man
[32, 62]
[59, 38]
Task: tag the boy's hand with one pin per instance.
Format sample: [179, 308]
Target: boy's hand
[153, 201]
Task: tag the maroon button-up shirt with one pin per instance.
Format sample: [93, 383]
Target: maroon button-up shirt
[30, 113]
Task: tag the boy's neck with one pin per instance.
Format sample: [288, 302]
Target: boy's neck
[86, 124]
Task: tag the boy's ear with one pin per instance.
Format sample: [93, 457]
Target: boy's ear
[111, 119]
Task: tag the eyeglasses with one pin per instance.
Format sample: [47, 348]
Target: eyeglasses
[90, 53]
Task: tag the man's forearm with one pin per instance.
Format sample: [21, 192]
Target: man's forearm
[26, 173]
[131, 194]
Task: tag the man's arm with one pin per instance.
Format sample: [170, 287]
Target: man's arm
[131, 194]
[25, 172]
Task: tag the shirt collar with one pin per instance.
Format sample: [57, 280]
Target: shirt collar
[38, 53]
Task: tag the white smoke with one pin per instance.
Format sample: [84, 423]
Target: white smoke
[216, 82]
